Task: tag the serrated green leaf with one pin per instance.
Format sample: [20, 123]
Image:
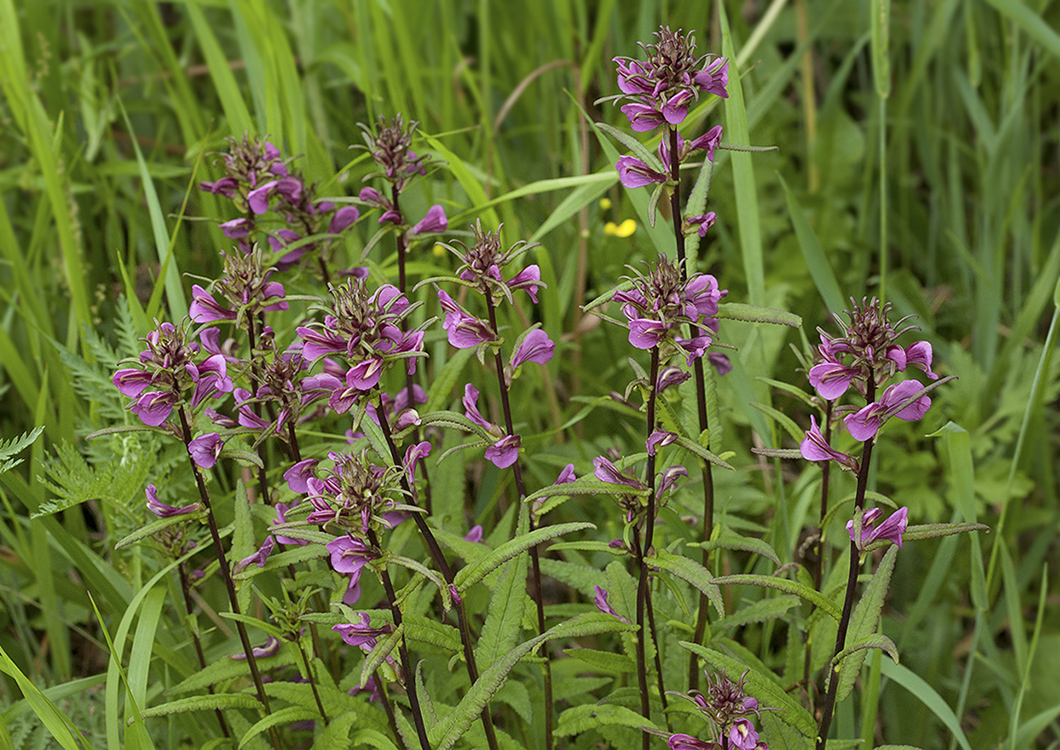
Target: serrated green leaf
[585, 486]
[428, 630]
[767, 609]
[456, 421]
[768, 693]
[758, 314]
[15, 446]
[699, 450]
[371, 737]
[864, 622]
[476, 571]
[336, 735]
[733, 541]
[383, 648]
[930, 531]
[202, 703]
[286, 715]
[876, 640]
[582, 578]
[790, 587]
[690, 572]
[588, 546]
[254, 622]
[156, 526]
[604, 661]
[583, 718]
[500, 633]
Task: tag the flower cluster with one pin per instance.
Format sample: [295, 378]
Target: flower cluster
[366, 328]
[255, 173]
[661, 302]
[245, 287]
[660, 88]
[168, 366]
[390, 148]
[728, 707]
[866, 357]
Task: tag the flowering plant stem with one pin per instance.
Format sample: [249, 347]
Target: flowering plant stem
[535, 556]
[435, 551]
[818, 570]
[852, 579]
[643, 588]
[403, 651]
[701, 403]
[402, 251]
[185, 587]
[226, 575]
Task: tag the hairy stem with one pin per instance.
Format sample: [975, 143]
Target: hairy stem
[535, 555]
[435, 551]
[403, 651]
[643, 595]
[706, 473]
[226, 575]
[852, 579]
[185, 586]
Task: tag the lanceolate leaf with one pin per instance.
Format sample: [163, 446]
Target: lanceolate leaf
[153, 528]
[426, 630]
[876, 640]
[478, 570]
[633, 145]
[767, 609]
[930, 531]
[445, 734]
[202, 703]
[690, 571]
[864, 622]
[590, 716]
[699, 450]
[758, 314]
[382, 649]
[278, 716]
[501, 630]
[585, 486]
[769, 695]
[787, 586]
[732, 540]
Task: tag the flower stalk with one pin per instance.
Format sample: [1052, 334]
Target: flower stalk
[226, 575]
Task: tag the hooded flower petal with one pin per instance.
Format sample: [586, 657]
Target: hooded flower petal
[162, 510]
[635, 174]
[434, 221]
[504, 452]
[205, 449]
[535, 347]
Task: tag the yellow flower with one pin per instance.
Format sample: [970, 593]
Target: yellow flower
[605, 203]
[625, 229]
[438, 250]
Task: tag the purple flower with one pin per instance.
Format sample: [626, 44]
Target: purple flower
[298, 475]
[288, 188]
[642, 117]
[528, 279]
[463, 331]
[688, 742]
[365, 375]
[566, 475]
[708, 142]
[815, 448]
[504, 452]
[349, 555]
[891, 529]
[667, 479]
[670, 376]
[258, 558]
[271, 647]
[919, 355]
[646, 333]
[702, 223]
[471, 411]
[474, 535]
[864, 423]
[132, 382]
[659, 439]
[675, 109]
[606, 471]
[434, 221]
[162, 510]
[236, 228]
[343, 218]
[211, 377]
[831, 379]
[370, 685]
[601, 604]
[714, 78]
[413, 455]
[281, 518]
[536, 346]
[154, 407]
[360, 634]
[635, 174]
[742, 735]
[206, 449]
